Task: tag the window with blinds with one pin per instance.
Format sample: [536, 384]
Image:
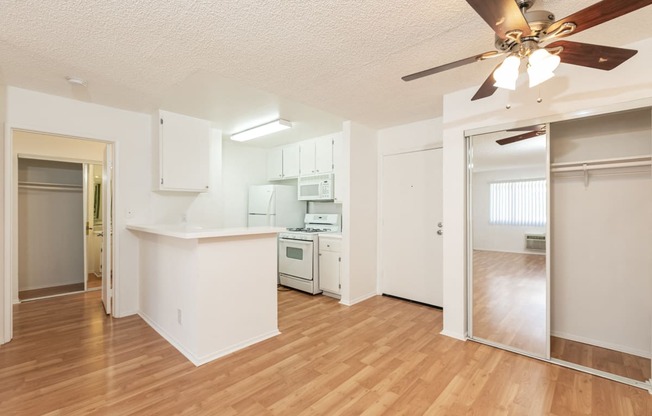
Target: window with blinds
[518, 203]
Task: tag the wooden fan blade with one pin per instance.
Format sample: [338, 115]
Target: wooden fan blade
[518, 138]
[487, 88]
[501, 15]
[598, 13]
[451, 65]
[535, 127]
[592, 56]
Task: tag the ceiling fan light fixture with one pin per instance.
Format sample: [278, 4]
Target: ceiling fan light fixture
[544, 60]
[537, 77]
[541, 66]
[507, 73]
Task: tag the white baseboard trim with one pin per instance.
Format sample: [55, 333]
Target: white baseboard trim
[452, 334]
[190, 356]
[602, 344]
[359, 299]
[197, 361]
[244, 344]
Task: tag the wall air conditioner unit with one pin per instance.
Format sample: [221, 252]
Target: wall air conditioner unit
[535, 242]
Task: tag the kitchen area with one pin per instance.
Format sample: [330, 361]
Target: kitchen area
[208, 279]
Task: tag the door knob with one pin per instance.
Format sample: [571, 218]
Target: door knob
[440, 224]
[440, 232]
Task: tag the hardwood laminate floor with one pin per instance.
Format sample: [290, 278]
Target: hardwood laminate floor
[94, 281]
[382, 356]
[615, 362]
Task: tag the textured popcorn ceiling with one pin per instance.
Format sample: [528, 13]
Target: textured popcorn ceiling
[239, 62]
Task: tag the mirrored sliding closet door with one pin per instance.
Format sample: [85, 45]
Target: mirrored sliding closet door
[507, 265]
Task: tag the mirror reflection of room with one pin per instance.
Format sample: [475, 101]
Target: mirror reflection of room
[508, 217]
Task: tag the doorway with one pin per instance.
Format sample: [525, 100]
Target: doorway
[62, 207]
[412, 231]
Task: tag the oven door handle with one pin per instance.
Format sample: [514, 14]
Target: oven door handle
[293, 241]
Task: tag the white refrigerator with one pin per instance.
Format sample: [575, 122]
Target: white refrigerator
[275, 206]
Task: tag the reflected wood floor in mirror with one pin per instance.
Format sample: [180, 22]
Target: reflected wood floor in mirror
[509, 299]
[614, 362]
[379, 357]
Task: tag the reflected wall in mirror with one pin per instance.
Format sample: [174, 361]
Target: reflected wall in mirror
[507, 258]
[95, 173]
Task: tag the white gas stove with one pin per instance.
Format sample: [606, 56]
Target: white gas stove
[298, 252]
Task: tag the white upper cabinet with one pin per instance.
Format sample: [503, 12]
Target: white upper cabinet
[317, 155]
[275, 164]
[291, 161]
[184, 153]
[283, 162]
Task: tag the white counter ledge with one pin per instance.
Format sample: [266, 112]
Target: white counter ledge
[208, 291]
[188, 231]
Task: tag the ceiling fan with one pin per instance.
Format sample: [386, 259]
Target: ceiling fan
[523, 34]
[530, 131]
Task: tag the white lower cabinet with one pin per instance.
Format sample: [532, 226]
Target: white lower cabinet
[330, 260]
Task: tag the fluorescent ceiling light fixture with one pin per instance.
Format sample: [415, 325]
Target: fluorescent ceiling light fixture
[507, 73]
[262, 130]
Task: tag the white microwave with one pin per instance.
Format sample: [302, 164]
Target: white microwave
[316, 187]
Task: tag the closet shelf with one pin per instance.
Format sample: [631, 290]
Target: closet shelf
[621, 162]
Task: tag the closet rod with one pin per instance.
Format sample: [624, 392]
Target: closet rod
[586, 167]
[49, 186]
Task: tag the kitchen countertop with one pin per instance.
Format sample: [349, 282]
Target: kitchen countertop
[189, 231]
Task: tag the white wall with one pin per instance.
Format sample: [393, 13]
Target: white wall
[572, 90]
[410, 137]
[493, 237]
[359, 214]
[131, 133]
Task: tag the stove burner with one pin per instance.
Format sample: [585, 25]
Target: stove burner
[308, 230]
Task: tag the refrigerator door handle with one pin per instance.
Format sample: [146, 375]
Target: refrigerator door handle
[269, 206]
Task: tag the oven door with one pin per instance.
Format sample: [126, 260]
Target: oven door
[295, 258]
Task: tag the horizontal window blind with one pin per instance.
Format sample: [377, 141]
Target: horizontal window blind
[518, 203]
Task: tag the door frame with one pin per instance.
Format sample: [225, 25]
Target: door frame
[10, 252]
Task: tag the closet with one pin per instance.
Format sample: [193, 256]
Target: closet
[601, 226]
[50, 228]
[572, 285]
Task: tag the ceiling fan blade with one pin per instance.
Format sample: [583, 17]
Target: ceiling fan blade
[598, 13]
[487, 88]
[534, 127]
[592, 56]
[519, 137]
[451, 65]
[501, 15]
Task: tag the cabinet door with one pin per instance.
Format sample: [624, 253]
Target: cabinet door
[275, 164]
[184, 153]
[324, 154]
[291, 161]
[307, 156]
[329, 271]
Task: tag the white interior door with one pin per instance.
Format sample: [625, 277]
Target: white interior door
[412, 240]
[87, 227]
[107, 221]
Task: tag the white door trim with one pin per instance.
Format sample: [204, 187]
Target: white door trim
[10, 251]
